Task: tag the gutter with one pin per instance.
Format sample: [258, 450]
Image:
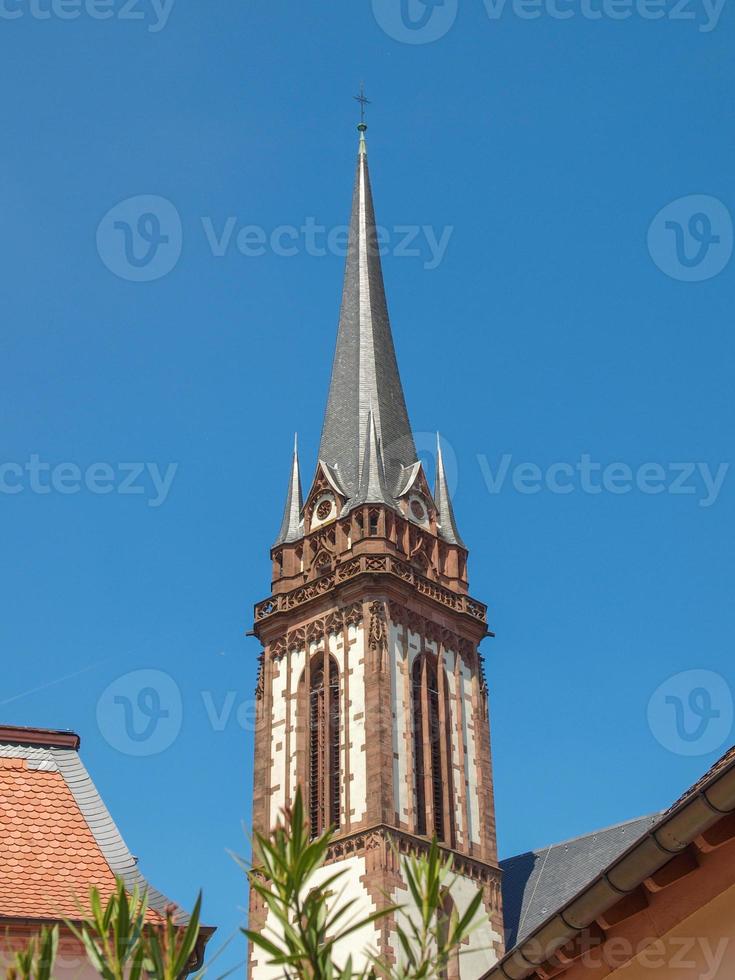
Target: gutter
[669, 837]
[197, 960]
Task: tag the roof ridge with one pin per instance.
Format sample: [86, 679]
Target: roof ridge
[57, 738]
[579, 837]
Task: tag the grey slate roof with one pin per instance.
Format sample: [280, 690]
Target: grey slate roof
[365, 371]
[372, 488]
[292, 525]
[538, 883]
[447, 524]
[97, 816]
[366, 460]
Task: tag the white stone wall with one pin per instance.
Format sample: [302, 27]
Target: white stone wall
[401, 718]
[284, 718]
[414, 648]
[279, 769]
[450, 659]
[406, 749]
[298, 663]
[357, 746]
[473, 800]
[479, 954]
[476, 956]
[349, 886]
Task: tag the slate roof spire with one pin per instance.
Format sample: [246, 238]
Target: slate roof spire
[364, 372]
[292, 525]
[372, 488]
[447, 524]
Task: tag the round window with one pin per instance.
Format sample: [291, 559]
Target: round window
[324, 510]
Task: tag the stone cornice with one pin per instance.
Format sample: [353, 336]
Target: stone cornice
[315, 630]
[399, 844]
[404, 843]
[370, 565]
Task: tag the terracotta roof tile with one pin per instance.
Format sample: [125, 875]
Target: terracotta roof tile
[49, 858]
[57, 839]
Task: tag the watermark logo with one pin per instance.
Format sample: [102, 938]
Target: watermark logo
[140, 713]
[140, 238]
[691, 238]
[415, 21]
[691, 713]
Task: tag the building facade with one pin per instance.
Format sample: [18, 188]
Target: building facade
[650, 899]
[371, 693]
[57, 841]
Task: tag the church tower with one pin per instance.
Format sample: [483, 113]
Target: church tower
[371, 693]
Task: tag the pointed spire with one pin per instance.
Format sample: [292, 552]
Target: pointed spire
[447, 525]
[365, 372]
[291, 525]
[372, 488]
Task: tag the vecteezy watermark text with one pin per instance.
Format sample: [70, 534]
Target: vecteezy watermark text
[424, 21]
[140, 239]
[312, 238]
[154, 13]
[705, 12]
[590, 477]
[36, 476]
[695, 956]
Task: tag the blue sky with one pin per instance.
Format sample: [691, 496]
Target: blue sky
[554, 328]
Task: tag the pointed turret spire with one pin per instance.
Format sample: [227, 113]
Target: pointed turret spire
[372, 488]
[365, 373]
[292, 526]
[447, 525]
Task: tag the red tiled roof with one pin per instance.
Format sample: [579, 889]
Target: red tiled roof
[49, 857]
[57, 838]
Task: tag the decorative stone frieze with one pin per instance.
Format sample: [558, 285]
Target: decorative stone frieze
[375, 565]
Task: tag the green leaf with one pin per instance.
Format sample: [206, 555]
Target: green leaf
[466, 920]
[259, 940]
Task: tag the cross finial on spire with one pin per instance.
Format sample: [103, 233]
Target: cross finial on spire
[363, 102]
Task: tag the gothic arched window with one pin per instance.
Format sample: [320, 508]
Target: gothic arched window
[430, 744]
[323, 748]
